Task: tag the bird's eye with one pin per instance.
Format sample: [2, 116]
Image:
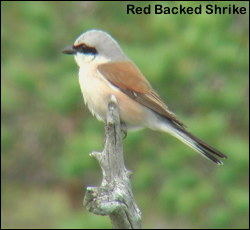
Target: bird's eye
[83, 48]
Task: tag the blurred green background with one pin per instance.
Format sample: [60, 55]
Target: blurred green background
[200, 69]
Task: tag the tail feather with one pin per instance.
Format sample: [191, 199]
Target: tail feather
[195, 143]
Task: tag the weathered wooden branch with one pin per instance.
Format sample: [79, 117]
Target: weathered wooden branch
[114, 197]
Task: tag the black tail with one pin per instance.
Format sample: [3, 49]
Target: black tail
[206, 150]
[195, 143]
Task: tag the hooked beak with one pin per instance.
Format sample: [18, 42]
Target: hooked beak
[69, 50]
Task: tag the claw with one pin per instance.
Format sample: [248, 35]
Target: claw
[124, 130]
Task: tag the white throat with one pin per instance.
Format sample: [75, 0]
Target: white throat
[82, 59]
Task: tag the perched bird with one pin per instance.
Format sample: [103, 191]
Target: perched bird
[105, 71]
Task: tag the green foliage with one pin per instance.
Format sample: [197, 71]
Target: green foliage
[199, 66]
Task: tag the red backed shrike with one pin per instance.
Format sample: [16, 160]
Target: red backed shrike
[105, 71]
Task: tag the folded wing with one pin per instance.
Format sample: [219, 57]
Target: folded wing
[128, 78]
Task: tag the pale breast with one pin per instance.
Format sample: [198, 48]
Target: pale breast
[97, 92]
[94, 90]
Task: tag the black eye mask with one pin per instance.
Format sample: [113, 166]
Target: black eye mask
[82, 48]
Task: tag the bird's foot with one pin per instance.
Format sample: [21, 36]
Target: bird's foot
[124, 130]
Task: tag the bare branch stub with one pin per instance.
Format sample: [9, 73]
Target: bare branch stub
[114, 197]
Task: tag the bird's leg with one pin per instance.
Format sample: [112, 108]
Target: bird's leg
[124, 130]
